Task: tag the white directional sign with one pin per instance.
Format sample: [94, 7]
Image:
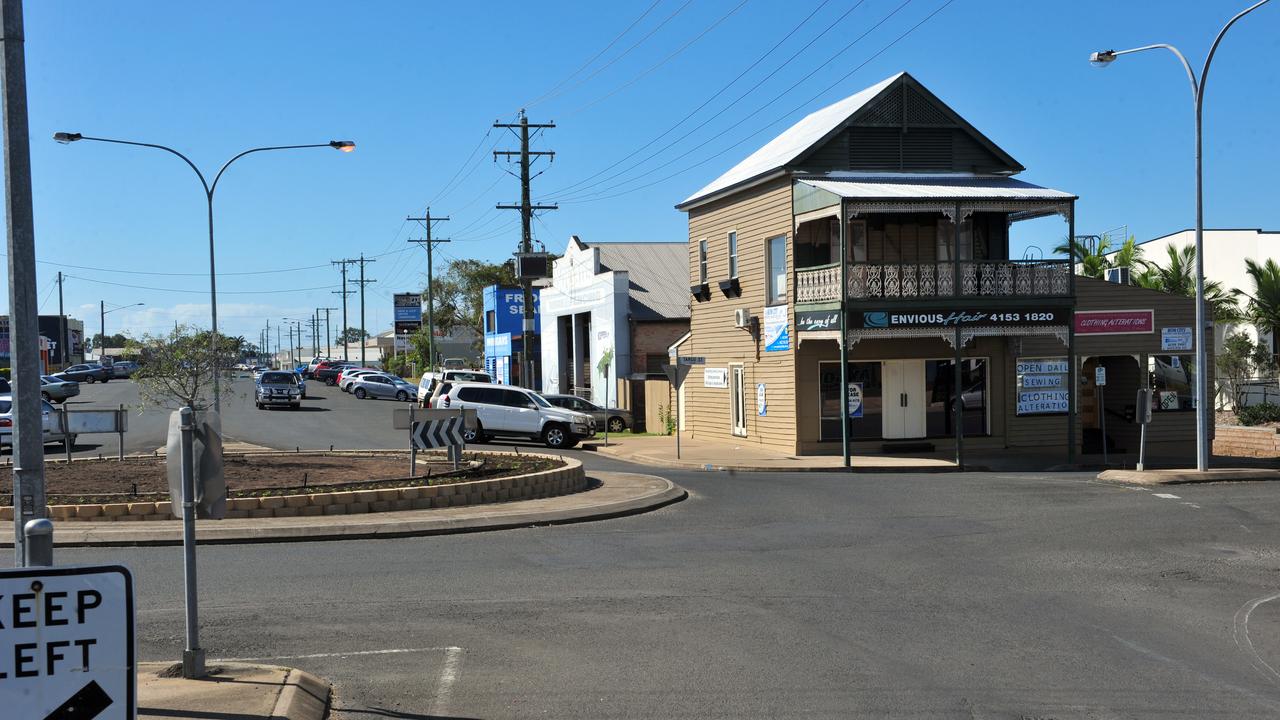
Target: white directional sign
[438, 433]
[66, 643]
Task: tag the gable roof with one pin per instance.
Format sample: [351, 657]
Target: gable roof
[798, 141]
[658, 274]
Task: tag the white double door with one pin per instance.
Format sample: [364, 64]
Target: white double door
[903, 398]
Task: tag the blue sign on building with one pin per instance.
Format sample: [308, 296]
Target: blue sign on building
[504, 329]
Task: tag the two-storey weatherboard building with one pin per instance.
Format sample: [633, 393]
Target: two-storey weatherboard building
[925, 294]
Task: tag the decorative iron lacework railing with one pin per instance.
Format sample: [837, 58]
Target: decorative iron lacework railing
[968, 278]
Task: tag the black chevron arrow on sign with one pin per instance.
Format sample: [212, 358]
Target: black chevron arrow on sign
[86, 704]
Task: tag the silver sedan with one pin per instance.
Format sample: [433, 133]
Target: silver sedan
[381, 385]
[58, 390]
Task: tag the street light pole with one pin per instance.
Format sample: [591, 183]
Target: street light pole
[102, 324]
[209, 189]
[1203, 405]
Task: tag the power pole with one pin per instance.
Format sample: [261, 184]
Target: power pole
[267, 335]
[63, 345]
[28, 445]
[526, 208]
[427, 222]
[292, 362]
[315, 333]
[328, 331]
[278, 343]
[344, 292]
[362, 282]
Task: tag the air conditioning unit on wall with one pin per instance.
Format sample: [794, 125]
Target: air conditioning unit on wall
[742, 318]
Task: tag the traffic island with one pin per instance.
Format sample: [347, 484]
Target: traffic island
[231, 690]
[1185, 477]
[281, 485]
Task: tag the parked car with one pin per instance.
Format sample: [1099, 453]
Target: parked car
[302, 385]
[58, 390]
[616, 419]
[257, 371]
[49, 422]
[382, 385]
[123, 369]
[428, 383]
[344, 372]
[502, 410]
[327, 371]
[349, 378]
[86, 372]
[278, 387]
[312, 364]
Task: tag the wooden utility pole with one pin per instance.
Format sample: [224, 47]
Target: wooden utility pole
[430, 242]
[526, 208]
[344, 292]
[362, 282]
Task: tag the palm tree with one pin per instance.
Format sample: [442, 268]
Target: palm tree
[1264, 304]
[1091, 262]
[1178, 277]
[1128, 256]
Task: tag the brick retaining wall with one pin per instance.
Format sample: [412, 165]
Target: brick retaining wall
[549, 483]
[1240, 441]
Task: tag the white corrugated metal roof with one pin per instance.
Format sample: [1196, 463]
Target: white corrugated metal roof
[794, 141]
[900, 187]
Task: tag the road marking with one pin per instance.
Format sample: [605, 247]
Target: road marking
[448, 676]
[1240, 632]
[353, 653]
[1166, 496]
[1191, 504]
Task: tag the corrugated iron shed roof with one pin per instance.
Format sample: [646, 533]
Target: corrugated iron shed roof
[942, 187]
[658, 273]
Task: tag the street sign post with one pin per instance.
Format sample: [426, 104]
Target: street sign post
[676, 374]
[432, 428]
[1143, 415]
[67, 649]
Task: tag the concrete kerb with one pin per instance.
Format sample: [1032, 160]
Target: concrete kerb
[239, 689]
[798, 467]
[611, 495]
[1188, 477]
[303, 697]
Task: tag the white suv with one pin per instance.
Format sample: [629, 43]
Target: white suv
[502, 410]
[430, 381]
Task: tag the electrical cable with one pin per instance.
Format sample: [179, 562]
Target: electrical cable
[199, 291]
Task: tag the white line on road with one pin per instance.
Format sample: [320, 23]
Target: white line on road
[448, 676]
[1240, 632]
[353, 653]
[1166, 496]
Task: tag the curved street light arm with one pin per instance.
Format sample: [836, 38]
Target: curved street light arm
[185, 159]
[227, 164]
[1191, 75]
[1204, 73]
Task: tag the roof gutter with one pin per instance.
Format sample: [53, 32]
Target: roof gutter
[694, 202]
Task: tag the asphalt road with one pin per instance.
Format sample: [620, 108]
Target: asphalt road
[774, 596]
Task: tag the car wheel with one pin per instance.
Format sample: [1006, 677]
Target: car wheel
[46, 397]
[555, 436]
[330, 382]
[106, 379]
[402, 396]
[475, 434]
[92, 379]
[359, 393]
[616, 425]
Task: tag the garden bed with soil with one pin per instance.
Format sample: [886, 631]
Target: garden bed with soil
[258, 475]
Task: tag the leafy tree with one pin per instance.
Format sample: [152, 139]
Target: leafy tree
[458, 294]
[118, 340]
[1094, 262]
[1263, 308]
[1178, 277]
[351, 336]
[177, 368]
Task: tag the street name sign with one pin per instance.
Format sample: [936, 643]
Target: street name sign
[66, 643]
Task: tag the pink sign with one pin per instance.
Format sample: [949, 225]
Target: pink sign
[1114, 322]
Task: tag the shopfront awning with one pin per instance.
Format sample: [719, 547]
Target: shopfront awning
[908, 192]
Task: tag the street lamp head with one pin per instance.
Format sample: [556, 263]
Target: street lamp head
[1103, 58]
[66, 138]
[345, 146]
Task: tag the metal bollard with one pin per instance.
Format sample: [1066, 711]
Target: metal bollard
[39, 543]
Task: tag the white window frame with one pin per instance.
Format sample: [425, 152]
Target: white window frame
[736, 369]
[702, 261]
[732, 243]
[773, 295]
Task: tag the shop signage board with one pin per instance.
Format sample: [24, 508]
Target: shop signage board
[1041, 385]
[854, 400]
[715, 377]
[962, 317]
[761, 407]
[814, 320]
[1100, 376]
[408, 313]
[1042, 366]
[777, 333]
[1175, 338]
[1037, 402]
[1115, 322]
[67, 647]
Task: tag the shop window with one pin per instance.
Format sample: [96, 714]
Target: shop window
[776, 280]
[702, 262]
[1041, 386]
[940, 380]
[490, 321]
[733, 255]
[866, 375]
[1172, 382]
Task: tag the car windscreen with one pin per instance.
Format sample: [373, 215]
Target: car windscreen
[279, 378]
[541, 401]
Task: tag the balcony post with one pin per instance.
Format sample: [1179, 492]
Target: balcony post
[955, 253]
[1073, 383]
[844, 334]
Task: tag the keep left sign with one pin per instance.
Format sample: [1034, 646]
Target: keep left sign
[66, 643]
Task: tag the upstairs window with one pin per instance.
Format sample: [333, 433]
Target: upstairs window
[702, 262]
[733, 255]
[776, 280]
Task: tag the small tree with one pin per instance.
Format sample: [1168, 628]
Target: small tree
[1235, 365]
[177, 369]
[352, 335]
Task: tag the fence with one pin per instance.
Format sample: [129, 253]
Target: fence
[645, 397]
[1247, 392]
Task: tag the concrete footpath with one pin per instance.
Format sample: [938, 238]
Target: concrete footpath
[232, 691]
[705, 455]
[616, 494]
[1188, 476]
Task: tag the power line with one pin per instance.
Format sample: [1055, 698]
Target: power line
[603, 194]
[196, 291]
[718, 93]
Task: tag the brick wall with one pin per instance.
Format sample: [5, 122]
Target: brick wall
[653, 338]
[1238, 441]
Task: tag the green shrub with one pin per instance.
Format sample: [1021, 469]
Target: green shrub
[1258, 414]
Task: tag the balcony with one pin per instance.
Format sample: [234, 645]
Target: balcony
[924, 281]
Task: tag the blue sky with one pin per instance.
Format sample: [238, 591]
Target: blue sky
[417, 85]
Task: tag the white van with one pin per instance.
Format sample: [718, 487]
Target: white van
[427, 384]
